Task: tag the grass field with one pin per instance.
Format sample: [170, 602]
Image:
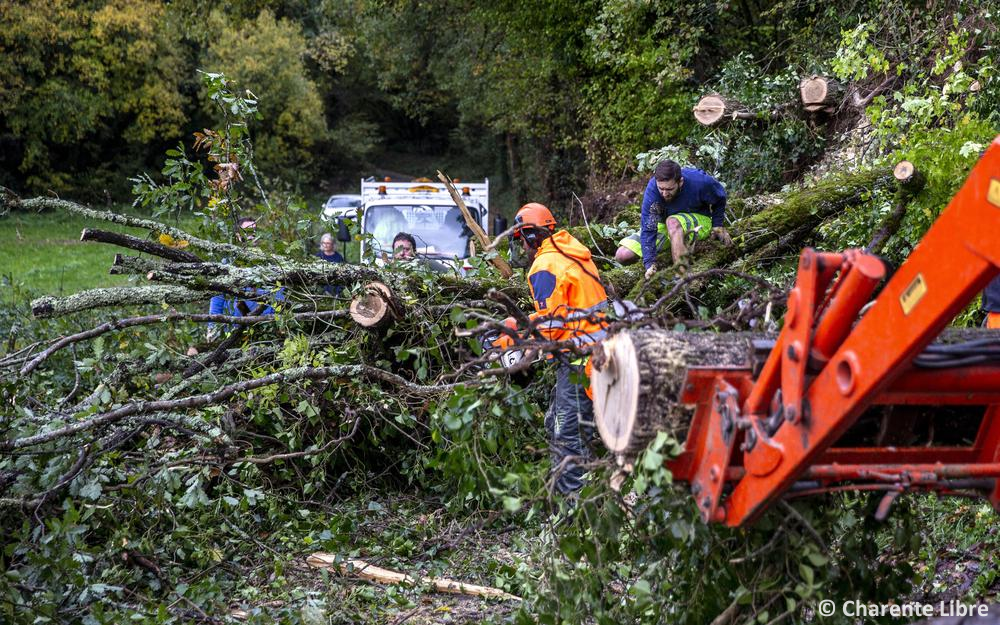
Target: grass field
[43, 253]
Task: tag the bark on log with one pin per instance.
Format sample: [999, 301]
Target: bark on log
[117, 297]
[637, 377]
[139, 245]
[375, 307]
[712, 109]
[819, 93]
[132, 265]
[911, 181]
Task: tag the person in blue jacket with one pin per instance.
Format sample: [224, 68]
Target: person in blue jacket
[327, 249]
[678, 204]
[328, 252]
[234, 307]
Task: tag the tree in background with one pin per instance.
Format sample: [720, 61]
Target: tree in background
[84, 90]
[266, 55]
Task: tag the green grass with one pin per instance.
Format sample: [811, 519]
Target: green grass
[43, 253]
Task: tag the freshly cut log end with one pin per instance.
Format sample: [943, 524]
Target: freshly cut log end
[911, 180]
[616, 392]
[637, 379]
[819, 93]
[712, 109]
[903, 170]
[375, 306]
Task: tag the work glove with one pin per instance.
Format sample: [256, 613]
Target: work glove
[649, 272]
[721, 234]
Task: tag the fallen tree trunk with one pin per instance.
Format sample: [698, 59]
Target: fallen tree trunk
[819, 93]
[375, 307]
[637, 377]
[713, 109]
[911, 181]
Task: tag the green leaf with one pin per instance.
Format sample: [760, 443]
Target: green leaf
[807, 573]
[652, 460]
[91, 490]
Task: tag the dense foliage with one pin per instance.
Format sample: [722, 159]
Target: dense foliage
[205, 514]
[542, 96]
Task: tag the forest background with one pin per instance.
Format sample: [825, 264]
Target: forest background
[199, 516]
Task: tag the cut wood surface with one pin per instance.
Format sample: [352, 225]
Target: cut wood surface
[910, 178]
[637, 378]
[375, 306]
[819, 92]
[712, 109]
[370, 572]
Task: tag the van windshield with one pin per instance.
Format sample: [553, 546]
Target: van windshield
[440, 231]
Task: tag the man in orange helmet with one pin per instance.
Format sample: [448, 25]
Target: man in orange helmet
[569, 301]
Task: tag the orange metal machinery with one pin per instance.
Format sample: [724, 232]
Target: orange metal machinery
[755, 439]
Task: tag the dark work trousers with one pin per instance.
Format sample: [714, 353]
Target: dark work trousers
[570, 424]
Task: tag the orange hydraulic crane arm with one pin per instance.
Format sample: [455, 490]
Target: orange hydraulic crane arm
[827, 367]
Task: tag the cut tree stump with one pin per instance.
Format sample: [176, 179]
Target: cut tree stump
[637, 378]
[819, 93]
[375, 307]
[712, 109]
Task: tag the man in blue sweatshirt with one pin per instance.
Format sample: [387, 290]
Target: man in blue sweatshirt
[685, 203]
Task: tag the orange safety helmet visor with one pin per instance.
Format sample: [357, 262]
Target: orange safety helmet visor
[533, 215]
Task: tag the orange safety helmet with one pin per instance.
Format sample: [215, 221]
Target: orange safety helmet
[533, 215]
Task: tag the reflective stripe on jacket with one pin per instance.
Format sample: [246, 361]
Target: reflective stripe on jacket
[566, 290]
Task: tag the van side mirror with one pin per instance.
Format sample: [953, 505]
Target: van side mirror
[499, 224]
[343, 232]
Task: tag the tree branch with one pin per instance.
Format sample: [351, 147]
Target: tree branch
[197, 401]
[49, 306]
[222, 249]
[139, 245]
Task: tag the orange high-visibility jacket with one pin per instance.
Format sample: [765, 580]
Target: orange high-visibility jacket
[568, 296]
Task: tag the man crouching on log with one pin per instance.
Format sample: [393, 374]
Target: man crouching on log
[569, 303]
[678, 204]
